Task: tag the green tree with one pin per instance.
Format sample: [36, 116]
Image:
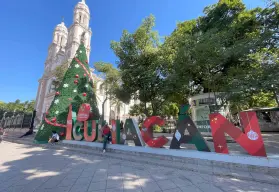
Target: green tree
[140, 110]
[2, 105]
[227, 50]
[18, 106]
[110, 83]
[76, 89]
[138, 61]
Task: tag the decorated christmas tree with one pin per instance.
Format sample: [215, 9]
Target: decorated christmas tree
[76, 89]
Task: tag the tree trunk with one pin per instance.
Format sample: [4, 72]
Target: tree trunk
[103, 109]
[275, 97]
[154, 111]
[145, 109]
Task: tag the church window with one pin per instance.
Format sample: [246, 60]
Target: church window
[52, 87]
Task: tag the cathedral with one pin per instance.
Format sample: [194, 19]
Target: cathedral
[62, 49]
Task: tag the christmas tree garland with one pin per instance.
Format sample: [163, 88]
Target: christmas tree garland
[84, 68]
[54, 124]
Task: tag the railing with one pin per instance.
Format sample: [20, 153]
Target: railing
[15, 120]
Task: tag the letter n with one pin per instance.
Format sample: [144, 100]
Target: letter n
[251, 140]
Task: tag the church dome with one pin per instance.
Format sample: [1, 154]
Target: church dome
[61, 27]
[82, 6]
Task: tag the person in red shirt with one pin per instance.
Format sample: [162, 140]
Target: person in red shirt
[106, 135]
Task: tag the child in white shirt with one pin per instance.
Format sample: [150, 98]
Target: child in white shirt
[54, 138]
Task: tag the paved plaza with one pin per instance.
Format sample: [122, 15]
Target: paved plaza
[25, 168]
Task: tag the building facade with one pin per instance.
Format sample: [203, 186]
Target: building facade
[62, 49]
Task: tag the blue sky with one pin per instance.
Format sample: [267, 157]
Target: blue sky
[27, 27]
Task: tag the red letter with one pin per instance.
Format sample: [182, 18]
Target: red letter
[69, 124]
[115, 132]
[251, 140]
[147, 132]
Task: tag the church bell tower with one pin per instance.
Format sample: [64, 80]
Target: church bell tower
[79, 27]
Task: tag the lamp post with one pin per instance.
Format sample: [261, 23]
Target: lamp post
[275, 95]
[3, 119]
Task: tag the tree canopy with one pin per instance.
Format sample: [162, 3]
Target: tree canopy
[27, 106]
[229, 50]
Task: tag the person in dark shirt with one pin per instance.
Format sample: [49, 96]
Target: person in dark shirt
[121, 125]
[106, 134]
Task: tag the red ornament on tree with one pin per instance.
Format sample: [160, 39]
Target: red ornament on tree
[70, 99]
[86, 61]
[76, 81]
[53, 120]
[84, 75]
[84, 94]
[57, 93]
[76, 76]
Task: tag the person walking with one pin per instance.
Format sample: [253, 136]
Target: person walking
[121, 125]
[106, 135]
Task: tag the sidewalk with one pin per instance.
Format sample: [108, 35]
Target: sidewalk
[33, 169]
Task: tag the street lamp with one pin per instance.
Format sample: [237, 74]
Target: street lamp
[3, 119]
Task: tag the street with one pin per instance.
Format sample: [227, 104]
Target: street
[26, 168]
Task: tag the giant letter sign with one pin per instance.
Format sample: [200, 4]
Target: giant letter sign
[132, 132]
[115, 129]
[251, 140]
[69, 124]
[90, 127]
[194, 137]
[147, 132]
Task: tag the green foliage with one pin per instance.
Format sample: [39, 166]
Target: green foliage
[230, 50]
[165, 110]
[110, 84]
[170, 109]
[140, 109]
[138, 55]
[59, 73]
[157, 129]
[27, 106]
[70, 93]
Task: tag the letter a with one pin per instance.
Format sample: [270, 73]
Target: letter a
[251, 140]
[132, 132]
[185, 122]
